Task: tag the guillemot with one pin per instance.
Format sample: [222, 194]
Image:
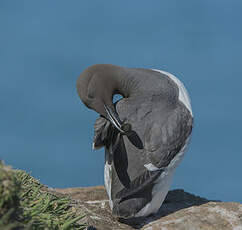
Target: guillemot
[145, 134]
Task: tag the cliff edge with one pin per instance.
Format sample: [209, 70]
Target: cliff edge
[180, 211]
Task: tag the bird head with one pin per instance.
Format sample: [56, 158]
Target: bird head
[96, 87]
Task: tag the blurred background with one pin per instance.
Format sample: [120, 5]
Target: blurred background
[45, 45]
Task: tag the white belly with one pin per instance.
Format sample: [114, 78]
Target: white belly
[108, 182]
[162, 184]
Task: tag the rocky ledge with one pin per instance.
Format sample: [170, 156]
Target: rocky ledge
[180, 211]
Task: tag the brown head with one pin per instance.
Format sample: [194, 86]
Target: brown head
[96, 87]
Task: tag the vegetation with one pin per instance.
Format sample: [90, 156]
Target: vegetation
[25, 204]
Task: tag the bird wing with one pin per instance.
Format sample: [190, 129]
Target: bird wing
[164, 141]
[101, 132]
[142, 182]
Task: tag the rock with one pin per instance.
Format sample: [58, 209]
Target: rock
[180, 211]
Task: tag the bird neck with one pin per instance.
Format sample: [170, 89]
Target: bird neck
[125, 84]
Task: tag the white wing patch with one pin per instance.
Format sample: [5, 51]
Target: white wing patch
[151, 167]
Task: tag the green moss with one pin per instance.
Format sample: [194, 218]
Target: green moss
[25, 204]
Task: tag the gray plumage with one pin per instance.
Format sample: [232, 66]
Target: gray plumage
[161, 126]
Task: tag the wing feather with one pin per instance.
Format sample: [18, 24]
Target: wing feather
[140, 183]
[101, 132]
[164, 141]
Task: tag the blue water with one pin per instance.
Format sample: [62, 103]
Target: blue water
[45, 45]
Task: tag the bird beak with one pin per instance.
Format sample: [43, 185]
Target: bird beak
[114, 118]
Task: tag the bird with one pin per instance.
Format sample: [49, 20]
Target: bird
[145, 133]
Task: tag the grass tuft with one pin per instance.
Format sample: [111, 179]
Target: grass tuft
[24, 204]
